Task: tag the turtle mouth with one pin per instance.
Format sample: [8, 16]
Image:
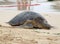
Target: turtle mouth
[47, 26]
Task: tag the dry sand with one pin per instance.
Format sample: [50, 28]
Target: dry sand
[30, 36]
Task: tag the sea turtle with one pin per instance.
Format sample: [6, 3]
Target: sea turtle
[30, 19]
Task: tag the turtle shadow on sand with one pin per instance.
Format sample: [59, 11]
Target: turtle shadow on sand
[30, 19]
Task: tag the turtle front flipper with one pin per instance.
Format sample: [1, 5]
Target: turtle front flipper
[28, 24]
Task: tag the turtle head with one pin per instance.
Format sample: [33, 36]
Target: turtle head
[42, 23]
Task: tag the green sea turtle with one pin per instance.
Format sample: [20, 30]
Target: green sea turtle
[30, 19]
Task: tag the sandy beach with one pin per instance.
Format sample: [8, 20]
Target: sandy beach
[30, 36]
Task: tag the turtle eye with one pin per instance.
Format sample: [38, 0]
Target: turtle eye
[45, 22]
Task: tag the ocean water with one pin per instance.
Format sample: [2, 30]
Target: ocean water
[10, 0]
[44, 7]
